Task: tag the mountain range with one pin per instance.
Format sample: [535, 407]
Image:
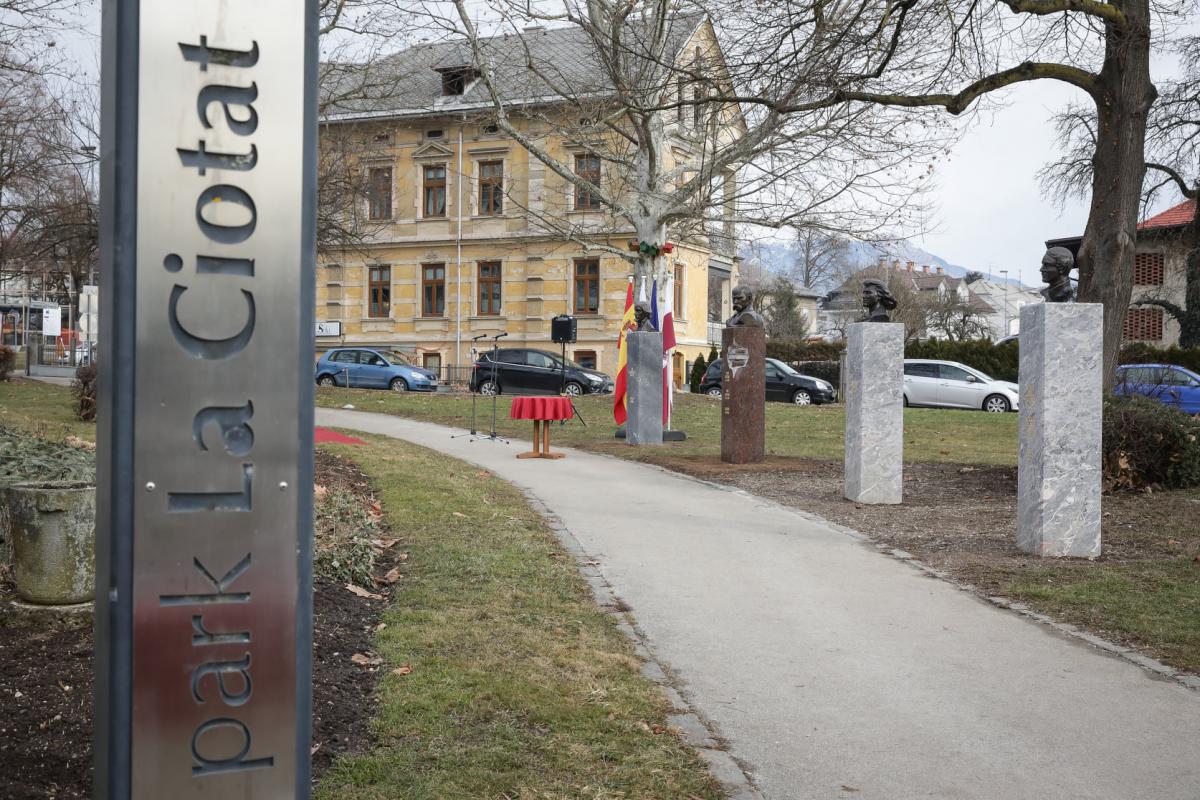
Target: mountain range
[779, 257]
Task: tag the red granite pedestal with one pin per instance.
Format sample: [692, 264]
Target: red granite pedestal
[743, 395]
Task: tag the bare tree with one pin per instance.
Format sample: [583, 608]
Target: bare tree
[1102, 48]
[819, 257]
[1172, 161]
[659, 105]
[951, 317]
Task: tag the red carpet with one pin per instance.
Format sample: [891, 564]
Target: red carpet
[322, 436]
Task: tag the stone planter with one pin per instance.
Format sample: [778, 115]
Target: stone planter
[53, 531]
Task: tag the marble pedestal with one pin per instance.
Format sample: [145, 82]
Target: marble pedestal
[743, 395]
[874, 412]
[1059, 456]
[645, 376]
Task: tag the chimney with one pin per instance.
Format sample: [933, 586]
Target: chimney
[941, 271]
[911, 264]
[925, 269]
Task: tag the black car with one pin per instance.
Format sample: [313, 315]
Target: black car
[783, 384]
[518, 369]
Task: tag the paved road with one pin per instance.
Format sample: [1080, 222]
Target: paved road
[834, 671]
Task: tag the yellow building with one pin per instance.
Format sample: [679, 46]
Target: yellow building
[465, 231]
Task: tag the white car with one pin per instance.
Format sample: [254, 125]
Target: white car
[949, 384]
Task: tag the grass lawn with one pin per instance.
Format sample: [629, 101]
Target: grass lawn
[520, 687]
[931, 435]
[41, 408]
[514, 683]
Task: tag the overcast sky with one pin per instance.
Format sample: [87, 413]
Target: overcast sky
[989, 209]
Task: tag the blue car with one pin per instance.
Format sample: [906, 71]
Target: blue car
[361, 368]
[1168, 383]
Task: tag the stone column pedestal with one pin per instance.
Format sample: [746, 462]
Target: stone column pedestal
[874, 379]
[1059, 457]
[645, 376]
[743, 394]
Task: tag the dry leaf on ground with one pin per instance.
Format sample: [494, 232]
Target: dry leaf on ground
[402, 670]
[364, 660]
[361, 592]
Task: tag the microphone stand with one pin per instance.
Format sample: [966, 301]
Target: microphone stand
[496, 386]
[562, 387]
[474, 392]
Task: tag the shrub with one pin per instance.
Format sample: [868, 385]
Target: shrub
[698, 370]
[793, 350]
[825, 370]
[8, 360]
[1148, 445]
[343, 528]
[25, 457]
[84, 388]
[713, 354]
[998, 361]
[1141, 353]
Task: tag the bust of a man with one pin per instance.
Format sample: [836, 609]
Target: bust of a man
[641, 318]
[877, 300]
[744, 314]
[1056, 273]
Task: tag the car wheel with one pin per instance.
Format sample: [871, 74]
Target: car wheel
[906, 401]
[573, 389]
[802, 398]
[489, 388]
[714, 392]
[326, 380]
[996, 404]
[399, 385]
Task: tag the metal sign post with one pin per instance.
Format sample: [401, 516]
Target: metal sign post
[203, 554]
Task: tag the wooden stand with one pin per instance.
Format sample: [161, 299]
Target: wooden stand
[541, 442]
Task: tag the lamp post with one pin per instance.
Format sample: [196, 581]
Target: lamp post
[1004, 272]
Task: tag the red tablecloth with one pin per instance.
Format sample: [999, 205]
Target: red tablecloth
[541, 408]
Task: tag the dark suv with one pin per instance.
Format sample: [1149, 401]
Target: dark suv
[518, 369]
[783, 384]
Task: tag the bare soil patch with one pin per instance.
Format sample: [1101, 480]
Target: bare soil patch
[46, 680]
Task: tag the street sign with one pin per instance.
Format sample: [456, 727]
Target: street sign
[52, 321]
[204, 550]
[88, 300]
[333, 328]
[87, 326]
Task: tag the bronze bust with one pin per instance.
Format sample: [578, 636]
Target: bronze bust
[744, 314]
[641, 318]
[877, 300]
[1056, 273]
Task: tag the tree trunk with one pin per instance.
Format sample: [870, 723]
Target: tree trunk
[1123, 99]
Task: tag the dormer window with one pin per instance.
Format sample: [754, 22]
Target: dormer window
[456, 80]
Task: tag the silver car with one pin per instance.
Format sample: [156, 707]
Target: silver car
[949, 384]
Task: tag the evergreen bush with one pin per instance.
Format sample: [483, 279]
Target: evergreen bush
[1149, 445]
[698, 370]
[998, 361]
[8, 360]
[84, 388]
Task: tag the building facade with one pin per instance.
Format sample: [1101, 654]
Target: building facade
[1159, 272]
[467, 232]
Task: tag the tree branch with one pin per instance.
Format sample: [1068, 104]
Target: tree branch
[958, 103]
[1105, 11]
[1189, 192]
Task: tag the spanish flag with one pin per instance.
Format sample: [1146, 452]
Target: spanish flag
[620, 398]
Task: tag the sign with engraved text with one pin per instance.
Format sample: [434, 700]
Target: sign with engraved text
[205, 433]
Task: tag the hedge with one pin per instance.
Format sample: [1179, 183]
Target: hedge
[1141, 353]
[998, 361]
[1149, 445]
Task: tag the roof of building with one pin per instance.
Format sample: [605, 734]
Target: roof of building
[410, 81]
[1173, 217]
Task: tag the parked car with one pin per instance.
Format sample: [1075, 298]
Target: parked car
[949, 384]
[364, 368]
[519, 369]
[784, 384]
[1171, 384]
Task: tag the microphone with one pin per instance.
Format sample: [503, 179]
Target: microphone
[477, 338]
[500, 335]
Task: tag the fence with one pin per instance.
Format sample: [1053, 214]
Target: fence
[53, 357]
[455, 373]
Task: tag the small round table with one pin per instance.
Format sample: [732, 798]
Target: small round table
[542, 410]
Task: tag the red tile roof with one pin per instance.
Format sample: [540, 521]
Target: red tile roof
[1178, 215]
